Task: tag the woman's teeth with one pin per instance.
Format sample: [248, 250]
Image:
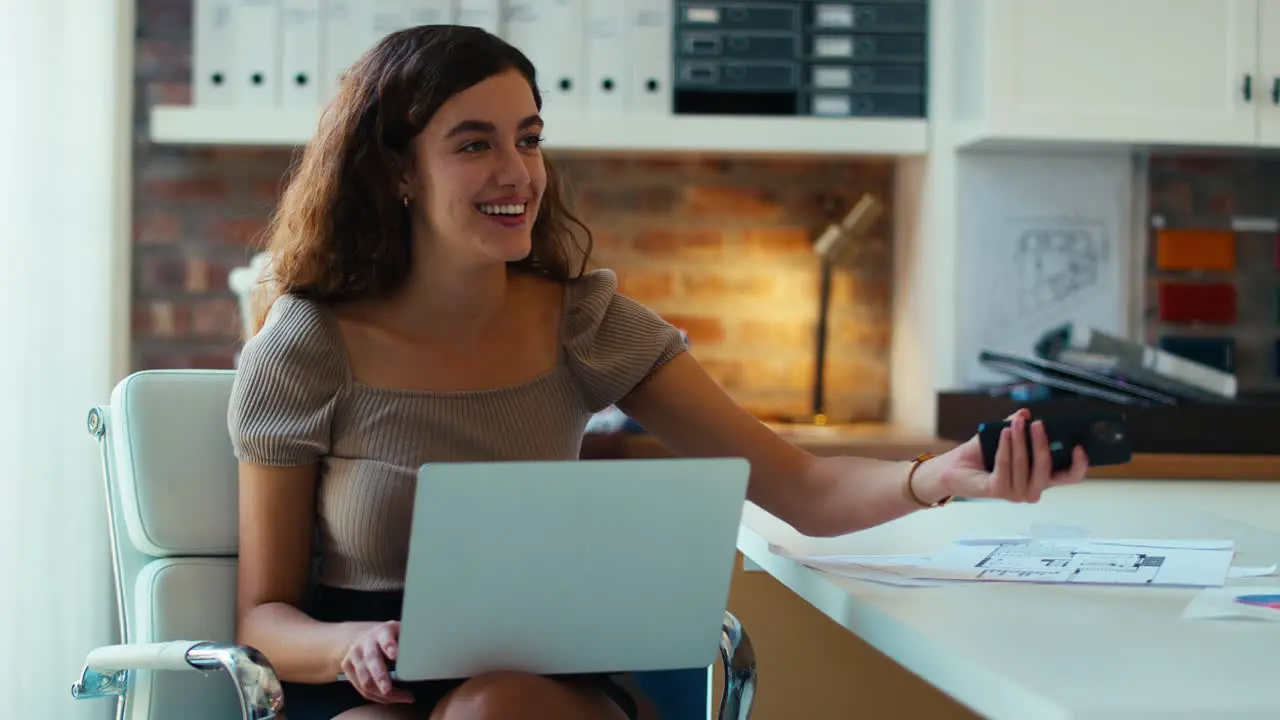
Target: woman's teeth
[489, 209]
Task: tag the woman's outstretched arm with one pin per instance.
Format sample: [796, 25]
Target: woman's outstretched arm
[823, 496]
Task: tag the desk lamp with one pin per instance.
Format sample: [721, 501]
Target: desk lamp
[835, 248]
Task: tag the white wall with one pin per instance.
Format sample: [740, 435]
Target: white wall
[926, 243]
[63, 329]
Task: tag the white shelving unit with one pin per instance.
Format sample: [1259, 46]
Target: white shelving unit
[817, 136]
[1009, 79]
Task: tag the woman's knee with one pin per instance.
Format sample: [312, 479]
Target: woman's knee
[524, 696]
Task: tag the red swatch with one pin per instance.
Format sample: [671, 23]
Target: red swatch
[1213, 303]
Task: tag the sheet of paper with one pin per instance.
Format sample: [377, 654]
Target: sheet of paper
[876, 560]
[1087, 561]
[1133, 542]
[882, 576]
[1076, 560]
[895, 570]
[1242, 602]
[1248, 572]
[1165, 544]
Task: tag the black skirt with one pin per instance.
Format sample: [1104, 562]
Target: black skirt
[305, 701]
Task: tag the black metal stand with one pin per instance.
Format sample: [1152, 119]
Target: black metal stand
[820, 347]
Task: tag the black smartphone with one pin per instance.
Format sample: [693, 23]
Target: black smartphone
[1104, 437]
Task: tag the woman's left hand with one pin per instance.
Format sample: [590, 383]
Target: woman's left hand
[1016, 477]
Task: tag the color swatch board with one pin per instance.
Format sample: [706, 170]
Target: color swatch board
[1213, 296]
[1212, 265]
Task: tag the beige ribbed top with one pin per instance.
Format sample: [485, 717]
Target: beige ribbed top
[295, 402]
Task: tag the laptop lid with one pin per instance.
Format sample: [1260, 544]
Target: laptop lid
[566, 567]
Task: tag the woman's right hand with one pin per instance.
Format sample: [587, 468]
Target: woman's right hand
[365, 662]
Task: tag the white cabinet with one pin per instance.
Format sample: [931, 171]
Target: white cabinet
[1269, 72]
[1193, 72]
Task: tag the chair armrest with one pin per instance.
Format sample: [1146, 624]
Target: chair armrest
[106, 671]
[739, 670]
[142, 656]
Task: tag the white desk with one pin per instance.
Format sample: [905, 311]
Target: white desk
[1023, 651]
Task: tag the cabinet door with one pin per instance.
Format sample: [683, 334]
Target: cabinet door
[1126, 70]
[1268, 98]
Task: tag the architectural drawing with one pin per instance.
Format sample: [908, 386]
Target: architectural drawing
[1052, 269]
[1068, 563]
[1044, 243]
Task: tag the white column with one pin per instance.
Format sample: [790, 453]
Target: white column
[65, 107]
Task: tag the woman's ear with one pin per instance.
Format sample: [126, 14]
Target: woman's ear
[403, 168]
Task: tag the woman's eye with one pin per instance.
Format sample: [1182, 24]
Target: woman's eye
[530, 141]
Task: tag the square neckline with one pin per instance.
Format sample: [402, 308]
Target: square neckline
[353, 385]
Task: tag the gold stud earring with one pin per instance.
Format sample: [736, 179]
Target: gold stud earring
[406, 201]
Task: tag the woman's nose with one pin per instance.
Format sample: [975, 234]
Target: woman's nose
[512, 169]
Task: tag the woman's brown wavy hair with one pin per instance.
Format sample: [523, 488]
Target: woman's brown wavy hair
[341, 230]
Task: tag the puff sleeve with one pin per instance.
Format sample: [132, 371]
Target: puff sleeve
[286, 387]
[613, 342]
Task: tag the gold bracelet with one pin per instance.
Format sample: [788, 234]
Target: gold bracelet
[916, 462]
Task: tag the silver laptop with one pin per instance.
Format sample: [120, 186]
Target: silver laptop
[567, 567]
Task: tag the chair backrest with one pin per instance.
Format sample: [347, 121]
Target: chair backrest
[172, 488]
[243, 281]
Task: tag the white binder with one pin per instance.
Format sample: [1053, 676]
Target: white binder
[608, 70]
[211, 53]
[256, 44]
[649, 35]
[339, 42]
[430, 12]
[486, 14]
[551, 33]
[300, 74]
[380, 18]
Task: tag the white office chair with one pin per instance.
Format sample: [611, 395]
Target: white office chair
[243, 281]
[171, 488]
[170, 479]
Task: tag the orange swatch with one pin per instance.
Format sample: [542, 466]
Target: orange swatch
[1196, 250]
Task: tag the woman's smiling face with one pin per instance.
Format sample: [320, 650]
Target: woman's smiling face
[478, 174]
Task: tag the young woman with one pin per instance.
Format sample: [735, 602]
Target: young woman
[428, 303]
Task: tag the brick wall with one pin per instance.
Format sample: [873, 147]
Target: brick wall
[720, 247]
[723, 249]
